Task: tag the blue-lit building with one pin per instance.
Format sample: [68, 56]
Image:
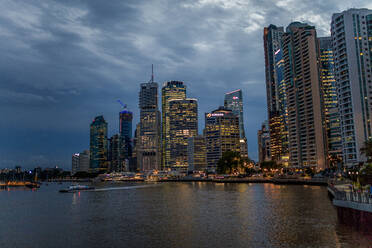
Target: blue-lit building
[98, 144]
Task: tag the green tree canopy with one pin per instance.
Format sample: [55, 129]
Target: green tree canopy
[269, 165]
[367, 150]
[229, 162]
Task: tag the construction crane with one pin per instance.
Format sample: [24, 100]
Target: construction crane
[122, 104]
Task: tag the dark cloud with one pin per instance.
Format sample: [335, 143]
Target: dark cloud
[63, 62]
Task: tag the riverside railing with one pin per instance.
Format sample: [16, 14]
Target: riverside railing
[360, 197]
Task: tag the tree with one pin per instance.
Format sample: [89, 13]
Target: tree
[269, 165]
[334, 160]
[229, 162]
[367, 150]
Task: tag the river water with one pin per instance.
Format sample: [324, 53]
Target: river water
[174, 215]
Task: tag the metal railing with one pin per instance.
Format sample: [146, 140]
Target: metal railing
[360, 197]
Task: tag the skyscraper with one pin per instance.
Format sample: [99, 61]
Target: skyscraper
[273, 37]
[171, 90]
[183, 124]
[221, 134]
[351, 35]
[329, 96]
[234, 102]
[148, 147]
[307, 137]
[98, 144]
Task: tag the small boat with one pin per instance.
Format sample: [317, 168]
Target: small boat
[75, 188]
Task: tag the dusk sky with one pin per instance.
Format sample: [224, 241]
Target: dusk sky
[64, 62]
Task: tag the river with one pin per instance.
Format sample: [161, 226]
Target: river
[174, 215]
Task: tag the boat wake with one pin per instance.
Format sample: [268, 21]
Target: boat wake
[124, 188]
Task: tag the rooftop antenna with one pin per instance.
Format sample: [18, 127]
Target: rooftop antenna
[152, 74]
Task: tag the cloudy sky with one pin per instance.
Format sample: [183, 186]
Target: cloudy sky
[64, 62]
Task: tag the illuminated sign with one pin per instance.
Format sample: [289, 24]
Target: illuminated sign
[277, 52]
[235, 97]
[215, 114]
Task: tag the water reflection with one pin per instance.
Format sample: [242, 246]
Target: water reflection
[176, 215]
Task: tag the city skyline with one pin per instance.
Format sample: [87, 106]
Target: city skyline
[50, 104]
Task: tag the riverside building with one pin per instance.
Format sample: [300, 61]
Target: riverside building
[351, 32]
[306, 126]
[221, 134]
[276, 92]
[183, 124]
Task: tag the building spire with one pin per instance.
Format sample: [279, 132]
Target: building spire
[152, 73]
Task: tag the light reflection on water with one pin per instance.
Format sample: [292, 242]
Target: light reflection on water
[174, 215]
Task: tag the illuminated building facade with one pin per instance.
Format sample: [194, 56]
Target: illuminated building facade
[263, 138]
[221, 134]
[171, 90]
[280, 121]
[98, 144]
[148, 147]
[234, 102]
[351, 33]
[183, 124]
[306, 126]
[272, 44]
[196, 153]
[329, 94]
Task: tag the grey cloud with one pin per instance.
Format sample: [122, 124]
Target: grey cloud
[63, 62]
